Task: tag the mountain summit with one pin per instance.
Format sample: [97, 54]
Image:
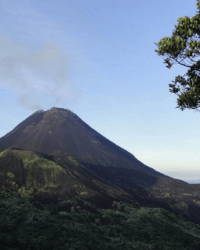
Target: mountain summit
[58, 155]
[60, 132]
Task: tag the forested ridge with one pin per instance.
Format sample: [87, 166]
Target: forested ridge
[77, 224]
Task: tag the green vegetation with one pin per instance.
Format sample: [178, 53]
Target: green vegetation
[72, 159]
[13, 184]
[10, 175]
[2, 153]
[83, 193]
[25, 192]
[166, 194]
[35, 161]
[49, 171]
[183, 48]
[76, 224]
[41, 174]
[186, 194]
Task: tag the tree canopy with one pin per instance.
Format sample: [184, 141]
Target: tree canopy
[183, 47]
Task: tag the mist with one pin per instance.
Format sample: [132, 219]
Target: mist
[39, 74]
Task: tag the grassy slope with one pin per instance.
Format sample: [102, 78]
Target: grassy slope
[75, 224]
[32, 174]
[41, 173]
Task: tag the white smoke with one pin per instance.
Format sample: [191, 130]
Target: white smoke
[38, 74]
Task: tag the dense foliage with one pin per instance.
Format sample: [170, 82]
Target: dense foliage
[76, 224]
[183, 47]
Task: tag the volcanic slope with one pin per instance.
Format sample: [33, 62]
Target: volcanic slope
[60, 132]
[31, 173]
[63, 135]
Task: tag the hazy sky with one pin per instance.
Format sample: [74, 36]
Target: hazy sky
[97, 58]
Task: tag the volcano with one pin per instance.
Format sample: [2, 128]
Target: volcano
[60, 132]
[56, 154]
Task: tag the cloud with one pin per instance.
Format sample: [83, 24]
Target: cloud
[37, 73]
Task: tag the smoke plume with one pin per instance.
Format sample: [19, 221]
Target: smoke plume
[38, 74]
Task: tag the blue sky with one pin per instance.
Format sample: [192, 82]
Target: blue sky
[98, 59]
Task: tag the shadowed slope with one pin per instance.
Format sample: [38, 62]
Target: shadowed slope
[30, 173]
